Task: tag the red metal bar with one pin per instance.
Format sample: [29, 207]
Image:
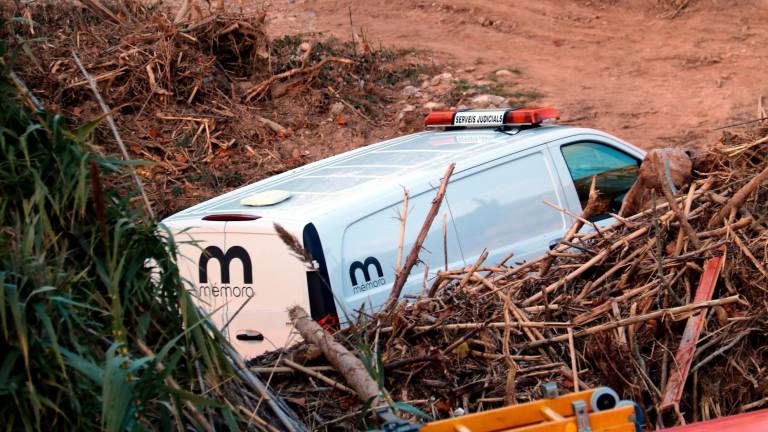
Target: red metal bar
[674, 388]
[756, 421]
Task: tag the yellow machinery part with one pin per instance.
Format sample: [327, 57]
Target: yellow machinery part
[544, 415]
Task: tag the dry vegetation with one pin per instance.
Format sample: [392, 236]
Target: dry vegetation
[493, 333]
[211, 104]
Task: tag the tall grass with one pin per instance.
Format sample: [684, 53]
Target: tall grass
[96, 330]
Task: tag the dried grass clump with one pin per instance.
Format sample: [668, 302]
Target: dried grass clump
[212, 104]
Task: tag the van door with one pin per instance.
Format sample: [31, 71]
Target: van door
[499, 206]
[369, 251]
[244, 278]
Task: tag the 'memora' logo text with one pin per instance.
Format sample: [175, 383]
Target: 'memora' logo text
[224, 259]
[364, 267]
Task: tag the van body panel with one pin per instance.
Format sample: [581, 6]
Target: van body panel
[372, 170]
[499, 206]
[352, 203]
[244, 277]
[370, 247]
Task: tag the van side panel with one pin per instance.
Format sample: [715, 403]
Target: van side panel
[369, 251]
[499, 206]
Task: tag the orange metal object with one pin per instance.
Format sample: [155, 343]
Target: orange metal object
[537, 416]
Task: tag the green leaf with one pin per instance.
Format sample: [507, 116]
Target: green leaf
[85, 130]
[410, 409]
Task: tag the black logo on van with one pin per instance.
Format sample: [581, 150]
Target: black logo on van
[365, 268]
[225, 259]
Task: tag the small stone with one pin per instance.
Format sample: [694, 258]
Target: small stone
[487, 100]
[337, 108]
[444, 77]
[409, 91]
[504, 73]
[304, 46]
[434, 105]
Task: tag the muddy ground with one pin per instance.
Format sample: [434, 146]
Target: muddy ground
[654, 72]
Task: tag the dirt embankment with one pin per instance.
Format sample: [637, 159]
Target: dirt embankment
[654, 72]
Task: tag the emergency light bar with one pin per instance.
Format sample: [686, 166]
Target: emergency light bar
[492, 118]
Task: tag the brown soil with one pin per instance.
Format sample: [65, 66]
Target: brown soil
[649, 71]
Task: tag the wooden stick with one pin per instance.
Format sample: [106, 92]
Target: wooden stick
[346, 363]
[96, 7]
[318, 375]
[510, 388]
[586, 266]
[473, 325]
[597, 282]
[574, 367]
[664, 182]
[413, 256]
[574, 215]
[719, 232]
[403, 219]
[758, 265]
[633, 320]
[285, 369]
[738, 199]
[473, 269]
[259, 89]
[679, 243]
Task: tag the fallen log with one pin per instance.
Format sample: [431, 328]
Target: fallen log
[344, 361]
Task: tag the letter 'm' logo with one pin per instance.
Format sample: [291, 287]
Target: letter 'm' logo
[357, 265]
[224, 260]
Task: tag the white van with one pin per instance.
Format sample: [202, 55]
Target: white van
[345, 211]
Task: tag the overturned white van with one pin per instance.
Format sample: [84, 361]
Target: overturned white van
[345, 211]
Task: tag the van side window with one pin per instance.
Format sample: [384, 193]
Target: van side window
[615, 173]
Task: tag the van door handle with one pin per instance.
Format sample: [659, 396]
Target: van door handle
[250, 335]
[554, 242]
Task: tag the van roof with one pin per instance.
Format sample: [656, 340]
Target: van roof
[317, 187]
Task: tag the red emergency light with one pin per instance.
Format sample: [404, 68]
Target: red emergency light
[492, 118]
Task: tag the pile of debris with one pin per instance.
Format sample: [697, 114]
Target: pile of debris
[668, 307]
[211, 104]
